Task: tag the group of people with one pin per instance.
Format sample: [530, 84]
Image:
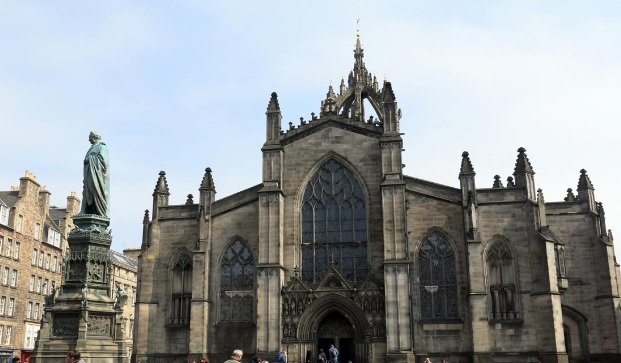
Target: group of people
[333, 352]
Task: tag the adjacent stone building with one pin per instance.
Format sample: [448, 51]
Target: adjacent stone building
[336, 245]
[125, 276]
[32, 243]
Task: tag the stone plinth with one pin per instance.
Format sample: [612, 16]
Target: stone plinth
[83, 315]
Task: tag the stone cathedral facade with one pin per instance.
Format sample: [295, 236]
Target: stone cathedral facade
[335, 245]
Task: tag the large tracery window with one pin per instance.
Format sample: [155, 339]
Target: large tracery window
[181, 291]
[237, 272]
[334, 223]
[502, 283]
[438, 279]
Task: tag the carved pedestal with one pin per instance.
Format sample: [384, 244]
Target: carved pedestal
[84, 315]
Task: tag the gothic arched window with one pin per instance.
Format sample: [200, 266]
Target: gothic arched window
[502, 282]
[334, 223]
[181, 290]
[237, 271]
[438, 279]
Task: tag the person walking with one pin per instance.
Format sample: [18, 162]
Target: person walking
[321, 357]
[334, 354]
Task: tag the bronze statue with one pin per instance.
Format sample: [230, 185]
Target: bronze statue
[96, 192]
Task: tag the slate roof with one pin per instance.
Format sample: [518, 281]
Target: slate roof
[124, 261]
[9, 198]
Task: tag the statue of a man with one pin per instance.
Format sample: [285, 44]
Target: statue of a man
[96, 193]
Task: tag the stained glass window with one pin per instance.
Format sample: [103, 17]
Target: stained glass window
[237, 272]
[334, 223]
[181, 291]
[502, 285]
[438, 279]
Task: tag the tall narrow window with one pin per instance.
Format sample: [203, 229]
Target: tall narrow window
[14, 278]
[9, 335]
[334, 223]
[502, 283]
[19, 223]
[9, 247]
[438, 279]
[237, 272]
[4, 215]
[9, 309]
[181, 290]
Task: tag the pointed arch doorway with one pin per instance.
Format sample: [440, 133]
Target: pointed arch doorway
[335, 319]
[336, 329]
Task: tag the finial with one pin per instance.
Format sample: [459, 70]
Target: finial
[296, 271]
[610, 238]
[466, 164]
[190, 200]
[497, 182]
[387, 93]
[570, 196]
[510, 183]
[522, 164]
[207, 182]
[273, 105]
[584, 182]
[146, 220]
[161, 186]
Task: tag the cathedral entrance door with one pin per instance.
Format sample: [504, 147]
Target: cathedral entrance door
[336, 329]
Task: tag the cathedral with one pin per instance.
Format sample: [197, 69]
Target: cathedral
[335, 245]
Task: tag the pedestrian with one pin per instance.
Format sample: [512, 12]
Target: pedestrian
[204, 360]
[427, 360]
[257, 359]
[334, 354]
[74, 356]
[282, 356]
[236, 356]
[321, 357]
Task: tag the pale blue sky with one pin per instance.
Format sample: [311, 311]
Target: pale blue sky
[179, 86]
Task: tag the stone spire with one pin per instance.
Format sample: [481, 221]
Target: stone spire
[359, 68]
[207, 192]
[160, 194]
[466, 164]
[584, 182]
[586, 191]
[469, 197]
[273, 120]
[329, 106]
[207, 183]
[524, 174]
[391, 113]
